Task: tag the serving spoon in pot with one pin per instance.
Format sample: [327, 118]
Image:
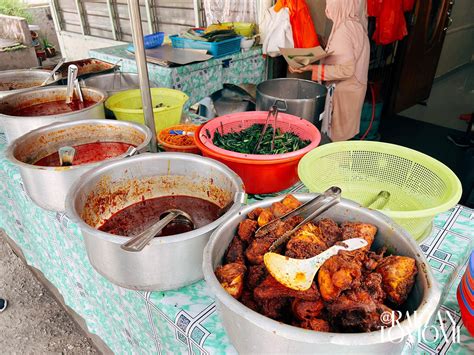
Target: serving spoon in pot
[298, 274]
[181, 221]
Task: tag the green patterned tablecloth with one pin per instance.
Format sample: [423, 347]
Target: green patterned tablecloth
[185, 320]
[197, 80]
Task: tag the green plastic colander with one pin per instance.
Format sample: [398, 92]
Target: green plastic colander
[420, 187]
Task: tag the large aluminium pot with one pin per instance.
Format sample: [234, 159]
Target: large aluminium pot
[18, 80]
[251, 332]
[48, 186]
[298, 97]
[167, 262]
[16, 126]
[115, 82]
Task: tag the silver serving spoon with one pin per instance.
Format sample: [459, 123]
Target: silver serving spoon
[52, 72]
[298, 274]
[141, 240]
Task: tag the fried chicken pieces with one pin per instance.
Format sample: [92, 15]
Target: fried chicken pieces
[350, 291]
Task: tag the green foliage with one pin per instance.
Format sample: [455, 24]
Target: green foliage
[45, 42]
[15, 8]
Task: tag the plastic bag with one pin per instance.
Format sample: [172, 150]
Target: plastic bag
[276, 31]
[304, 32]
[230, 11]
[391, 25]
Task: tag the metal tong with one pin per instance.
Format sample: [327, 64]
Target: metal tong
[318, 205]
[272, 112]
[73, 84]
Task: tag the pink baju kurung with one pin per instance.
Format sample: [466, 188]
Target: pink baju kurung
[347, 67]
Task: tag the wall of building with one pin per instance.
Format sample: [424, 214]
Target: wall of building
[76, 46]
[458, 47]
[43, 18]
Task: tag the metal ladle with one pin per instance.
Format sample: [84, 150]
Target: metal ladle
[141, 240]
[71, 82]
[66, 156]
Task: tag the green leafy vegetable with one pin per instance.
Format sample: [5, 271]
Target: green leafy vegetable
[246, 140]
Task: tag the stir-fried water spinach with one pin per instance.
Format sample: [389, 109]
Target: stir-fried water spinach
[246, 140]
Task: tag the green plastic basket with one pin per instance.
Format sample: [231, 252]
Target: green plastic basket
[127, 106]
[420, 187]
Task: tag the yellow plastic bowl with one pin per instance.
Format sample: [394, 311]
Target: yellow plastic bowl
[245, 29]
[167, 106]
[420, 187]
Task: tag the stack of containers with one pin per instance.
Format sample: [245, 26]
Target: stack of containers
[465, 295]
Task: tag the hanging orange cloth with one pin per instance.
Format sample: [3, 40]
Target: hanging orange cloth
[304, 32]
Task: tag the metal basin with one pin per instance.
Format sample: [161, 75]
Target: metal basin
[16, 126]
[167, 262]
[251, 332]
[48, 186]
[115, 82]
[18, 80]
[302, 98]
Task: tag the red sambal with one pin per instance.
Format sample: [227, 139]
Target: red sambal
[88, 153]
[51, 108]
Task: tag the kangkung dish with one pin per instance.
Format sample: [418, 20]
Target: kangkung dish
[350, 291]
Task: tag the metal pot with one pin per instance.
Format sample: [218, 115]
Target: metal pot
[48, 186]
[115, 82]
[167, 262]
[18, 80]
[302, 98]
[251, 332]
[16, 126]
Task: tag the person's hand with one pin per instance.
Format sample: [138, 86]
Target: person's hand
[300, 70]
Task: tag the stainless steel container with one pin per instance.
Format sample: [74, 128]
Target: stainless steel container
[167, 262]
[48, 186]
[115, 82]
[18, 80]
[302, 98]
[251, 332]
[16, 126]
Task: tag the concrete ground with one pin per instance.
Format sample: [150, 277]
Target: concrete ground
[34, 322]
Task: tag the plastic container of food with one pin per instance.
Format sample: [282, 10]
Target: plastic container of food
[260, 173]
[167, 106]
[175, 139]
[420, 187]
[245, 29]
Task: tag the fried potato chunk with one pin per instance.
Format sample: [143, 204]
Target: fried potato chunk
[291, 202]
[398, 274]
[246, 230]
[336, 275]
[231, 277]
[265, 217]
[278, 209]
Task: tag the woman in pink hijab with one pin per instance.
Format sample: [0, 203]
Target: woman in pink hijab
[347, 66]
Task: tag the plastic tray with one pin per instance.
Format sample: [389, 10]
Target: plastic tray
[216, 49]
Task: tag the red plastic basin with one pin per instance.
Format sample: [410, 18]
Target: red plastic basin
[261, 174]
